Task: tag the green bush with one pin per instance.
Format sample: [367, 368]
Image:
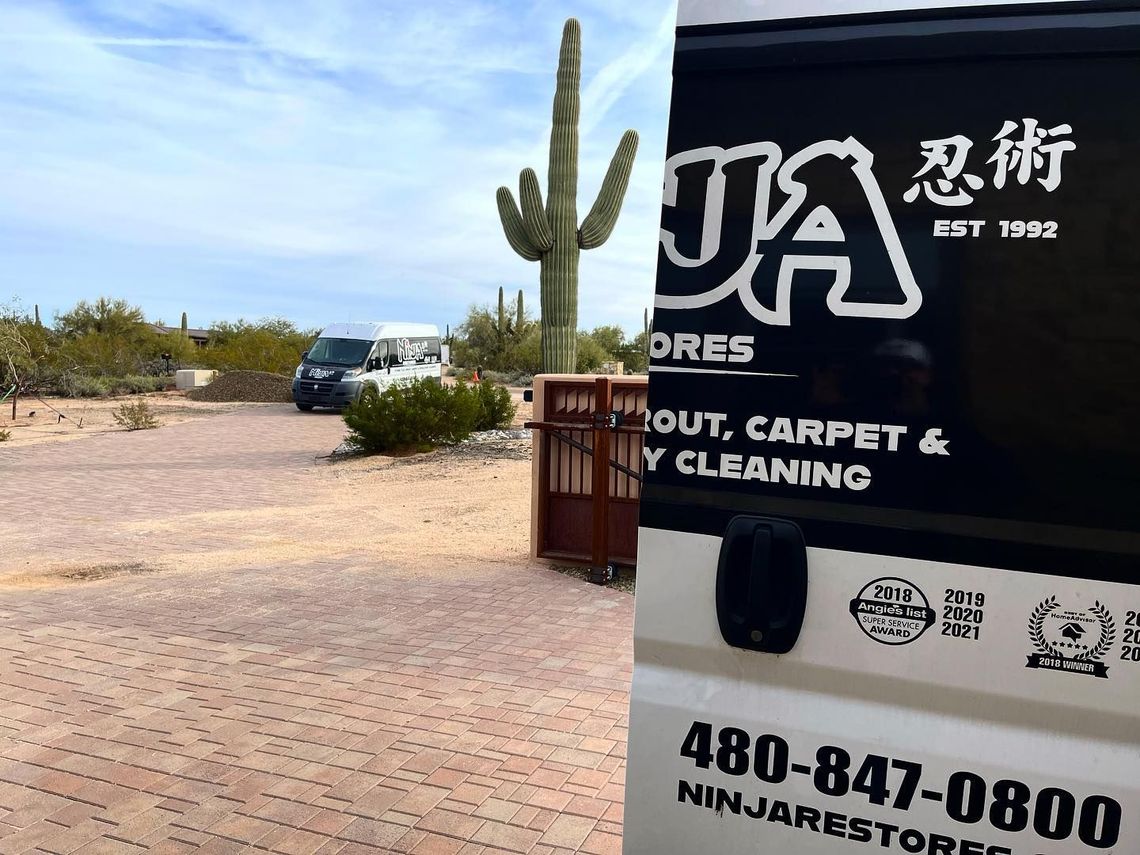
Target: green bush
[138, 384]
[75, 385]
[71, 385]
[271, 344]
[136, 416]
[5, 435]
[421, 415]
[510, 378]
[414, 416]
[496, 410]
[590, 355]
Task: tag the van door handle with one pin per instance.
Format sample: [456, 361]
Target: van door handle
[761, 584]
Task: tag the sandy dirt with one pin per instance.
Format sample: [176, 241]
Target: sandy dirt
[451, 512]
[456, 512]
[61, 419]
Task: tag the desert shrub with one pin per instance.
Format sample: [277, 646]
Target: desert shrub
[496, 410]
[107, 338]
[481, 340]
[590, 355]
[27, 350]
[412, 416]
[5, 435]
[421, 415]
[137, 384]
[135, 416]
[74, 385]
[510, 378]
[273, 345]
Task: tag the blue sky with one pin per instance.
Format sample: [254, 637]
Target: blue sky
[319, 160]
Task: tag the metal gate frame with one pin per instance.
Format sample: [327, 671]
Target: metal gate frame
[601, 418]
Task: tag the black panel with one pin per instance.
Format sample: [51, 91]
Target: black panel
[1024, 354]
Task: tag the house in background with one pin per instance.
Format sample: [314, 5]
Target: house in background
[199, 337]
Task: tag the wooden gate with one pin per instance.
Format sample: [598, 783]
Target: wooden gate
[570, 521]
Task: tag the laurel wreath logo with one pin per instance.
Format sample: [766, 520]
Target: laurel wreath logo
[1107, 635]
[1037, 631]
[1037, 626]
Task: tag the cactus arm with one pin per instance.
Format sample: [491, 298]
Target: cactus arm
[513, 226]
[533, 215]
[599, 223]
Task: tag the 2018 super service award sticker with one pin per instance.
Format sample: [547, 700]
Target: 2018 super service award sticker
[1071, 640]
[892, 611]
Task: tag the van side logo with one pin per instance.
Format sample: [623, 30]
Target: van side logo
[410, 351]
[820, 225]
[1071, 640]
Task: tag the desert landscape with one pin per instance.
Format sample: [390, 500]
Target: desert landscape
[476, 495]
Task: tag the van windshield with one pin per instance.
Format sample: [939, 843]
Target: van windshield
[339, 351]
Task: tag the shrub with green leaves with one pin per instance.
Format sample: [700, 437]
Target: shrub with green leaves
[5, 435]
[135, 416]
[496, 410]
[74, 385]
[421, 415]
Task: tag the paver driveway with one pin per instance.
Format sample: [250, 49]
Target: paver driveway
[304, 707]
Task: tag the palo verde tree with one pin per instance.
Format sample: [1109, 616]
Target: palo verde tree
[26, 347]
[551, 235]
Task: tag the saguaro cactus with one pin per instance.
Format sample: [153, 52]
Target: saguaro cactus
[520, 317]
[648, 331]
[501, 326]
[185, 328]
[551, 235]
[38, 324]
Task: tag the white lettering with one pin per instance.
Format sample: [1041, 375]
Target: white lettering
[652, 456]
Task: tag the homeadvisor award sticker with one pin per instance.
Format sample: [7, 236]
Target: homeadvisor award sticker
[1071, 640]
[892, 611]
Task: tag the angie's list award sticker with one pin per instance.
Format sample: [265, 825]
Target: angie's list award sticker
[892, 611]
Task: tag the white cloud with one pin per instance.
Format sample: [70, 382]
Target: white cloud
[354, 145]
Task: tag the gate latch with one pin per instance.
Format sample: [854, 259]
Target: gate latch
[608, 421]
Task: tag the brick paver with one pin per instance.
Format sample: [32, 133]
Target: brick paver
[64, 499]
[300, 708]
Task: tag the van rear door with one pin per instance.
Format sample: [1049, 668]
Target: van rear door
[889, 554]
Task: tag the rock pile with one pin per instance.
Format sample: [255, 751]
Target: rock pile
[253, 386]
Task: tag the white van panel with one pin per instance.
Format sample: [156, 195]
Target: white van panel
[896, 314]
[948, 704]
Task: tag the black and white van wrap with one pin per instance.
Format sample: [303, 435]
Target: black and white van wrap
[348, 357]
[889, 561]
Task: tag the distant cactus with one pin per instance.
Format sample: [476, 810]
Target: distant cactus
[648, 331]
[185, 328]
[501, 326]
[520, 316]
[551, 235]
[38, 324]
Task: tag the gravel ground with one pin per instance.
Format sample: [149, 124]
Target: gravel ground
[254, 386]
[626, 580]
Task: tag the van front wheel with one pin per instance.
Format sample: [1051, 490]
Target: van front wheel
[305, 408]
[369, 394]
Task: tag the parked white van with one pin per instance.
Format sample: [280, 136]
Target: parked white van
[350, 357]
[889, 555]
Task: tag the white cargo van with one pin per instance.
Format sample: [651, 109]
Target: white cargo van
[348, 358]
[889, 560]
